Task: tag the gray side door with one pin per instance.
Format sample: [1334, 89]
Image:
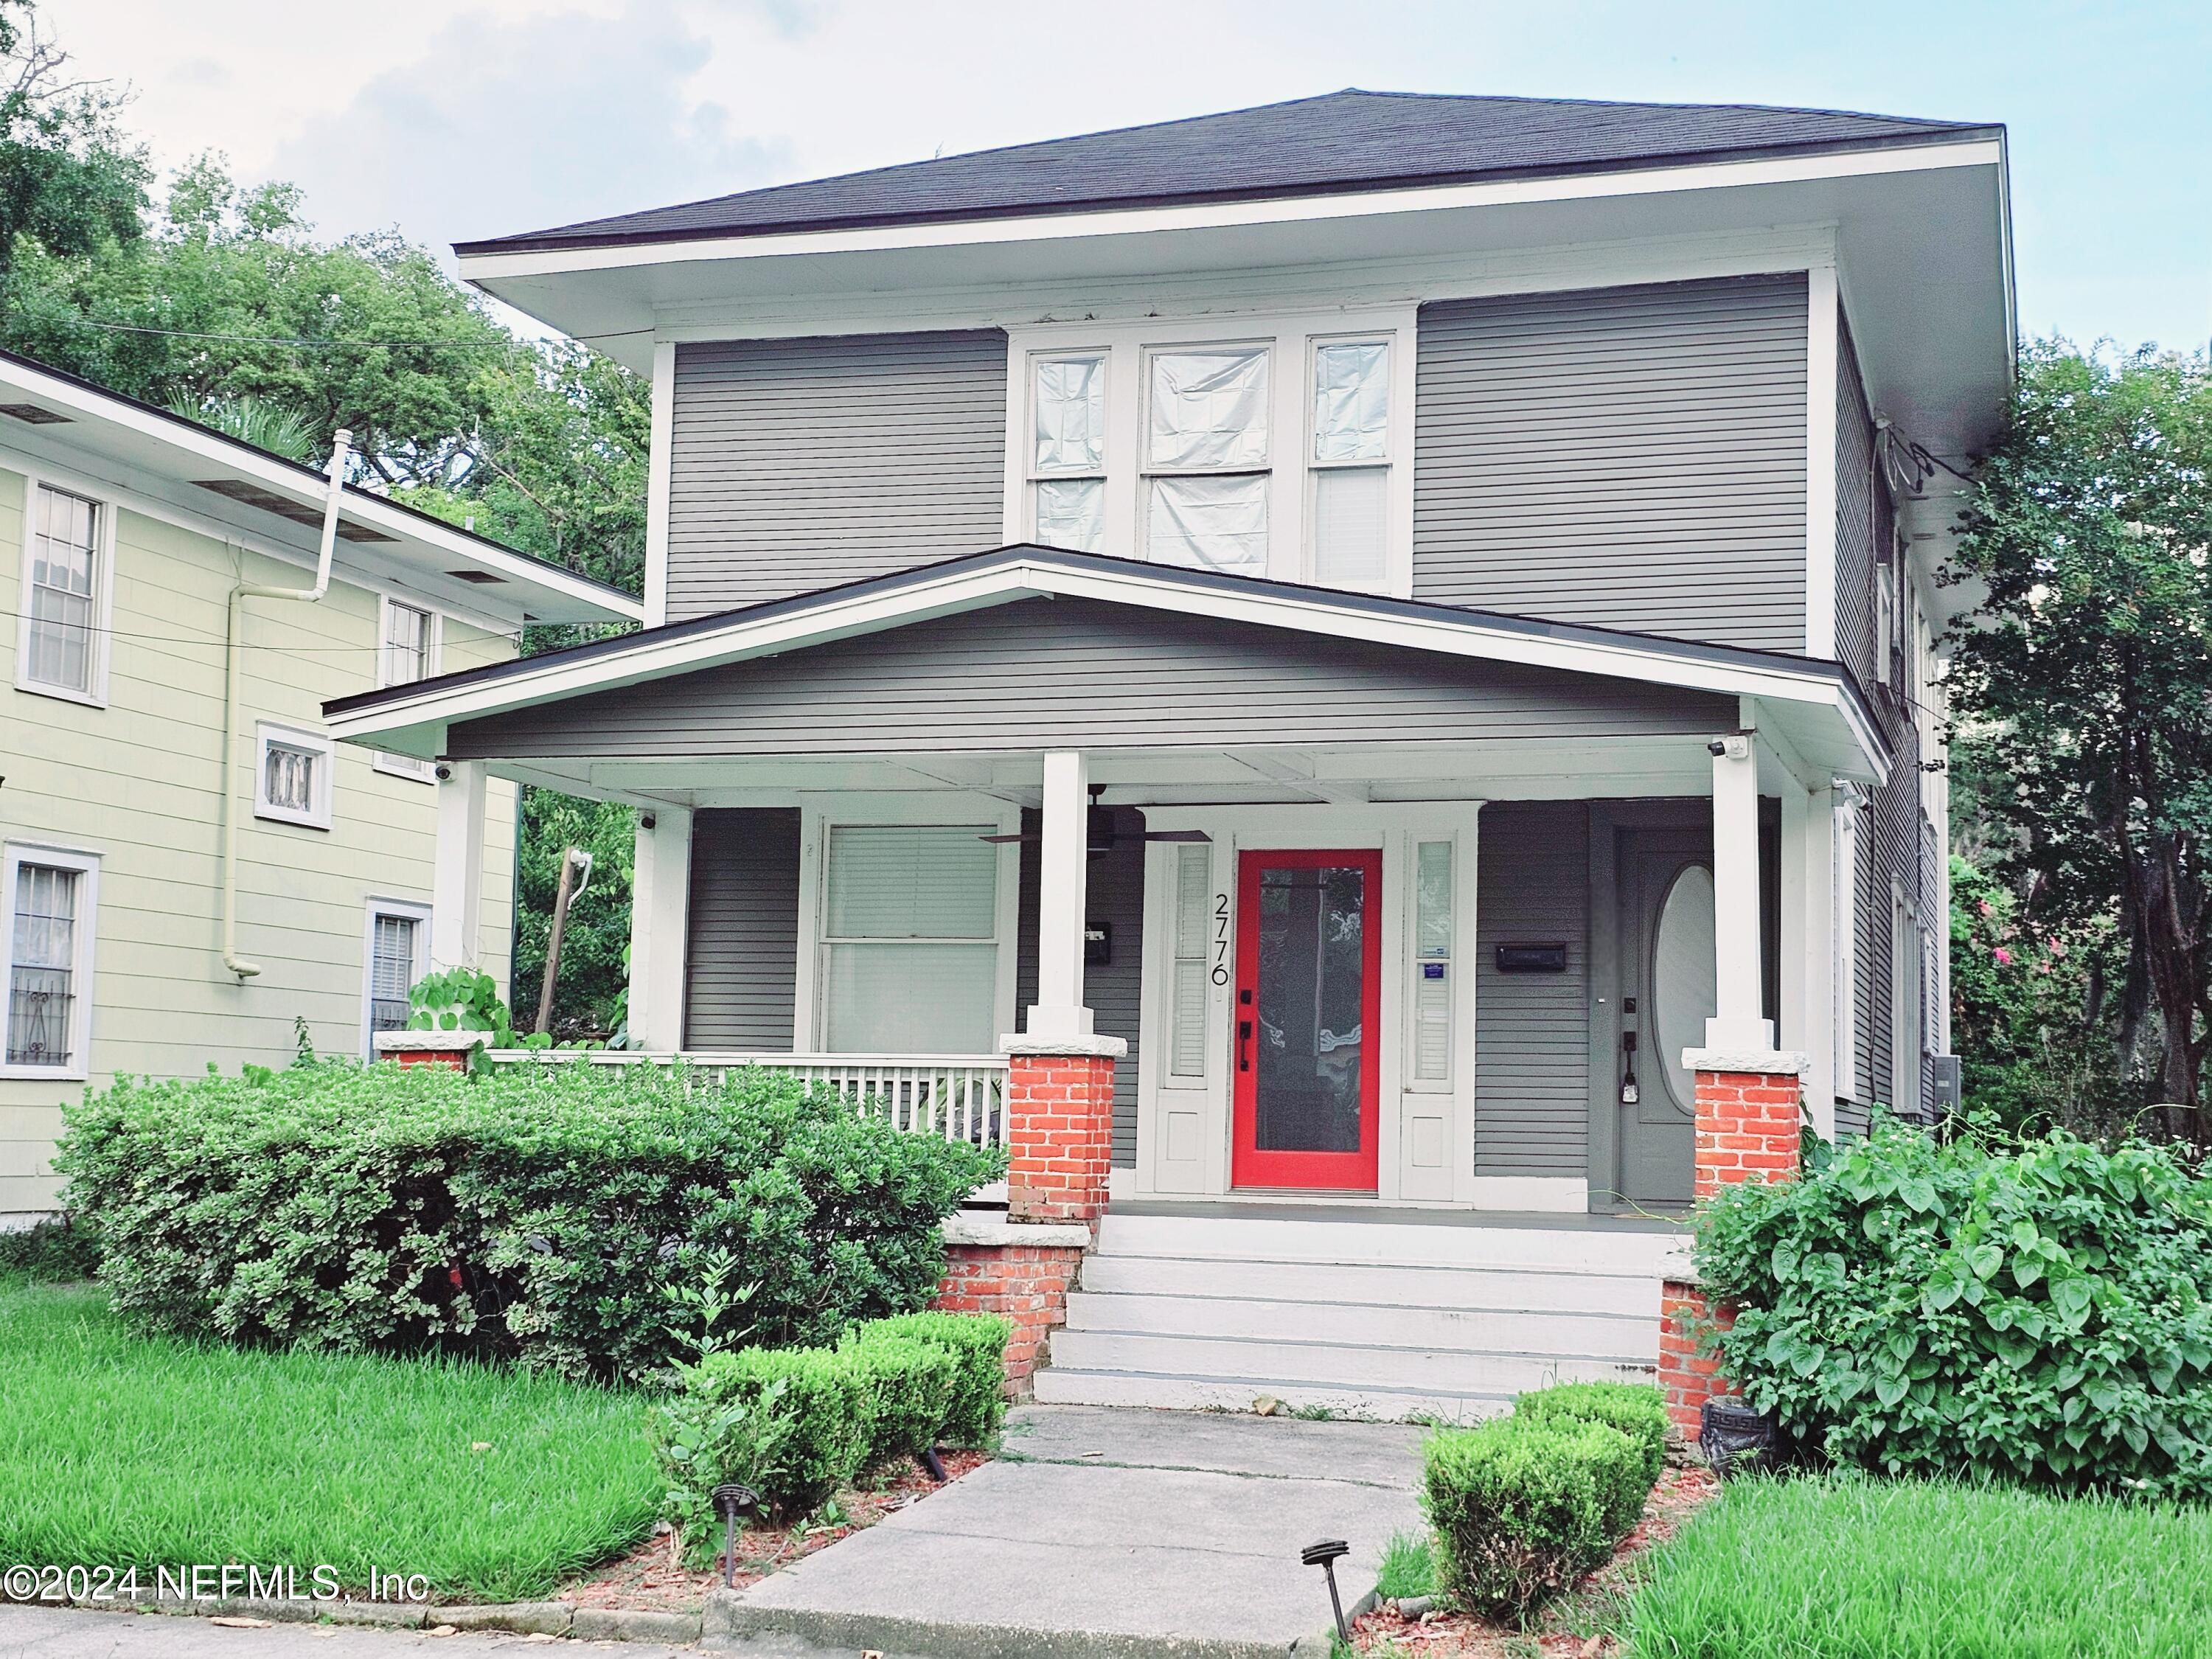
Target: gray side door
[1664, 930]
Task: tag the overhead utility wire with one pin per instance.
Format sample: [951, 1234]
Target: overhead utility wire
[332, 345]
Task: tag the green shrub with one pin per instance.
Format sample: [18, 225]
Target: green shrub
[540, 1213]
[1522, 1507]
[978, 1342]
[806, 1412]
[2038, 1312]
[906, 1390]
[1638, 1410]
[54, 1250]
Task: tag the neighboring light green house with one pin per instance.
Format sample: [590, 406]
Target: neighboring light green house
[123, 531]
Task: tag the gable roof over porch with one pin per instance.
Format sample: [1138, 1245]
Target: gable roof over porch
[1026, 647]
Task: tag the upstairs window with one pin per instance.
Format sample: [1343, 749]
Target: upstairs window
[1205, 460]
[63, 592]
[1351, 463]
[1268, 446]
[292, 776]
[410, 638]
[1067, 451]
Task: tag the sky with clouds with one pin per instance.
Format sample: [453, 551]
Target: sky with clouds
[460, 118]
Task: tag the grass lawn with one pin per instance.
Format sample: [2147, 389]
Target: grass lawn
[1855, 1569]
[495, 1485]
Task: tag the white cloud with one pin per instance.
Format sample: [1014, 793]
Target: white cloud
[505, 125]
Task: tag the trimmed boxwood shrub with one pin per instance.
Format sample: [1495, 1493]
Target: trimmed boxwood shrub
[815, 1401]
[540, 1213]
[1638, 1410]
[979, 1342]
[2040, 1311]
[906, 1388]
[1524, 1506]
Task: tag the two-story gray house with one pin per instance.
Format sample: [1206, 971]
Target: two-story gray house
[1410, 613]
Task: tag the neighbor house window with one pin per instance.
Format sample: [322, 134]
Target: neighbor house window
[398, 934]
[1067, 451]
[49, 898]
[1207, 458]
[410, 638]
[63, 591]
[292, 776]
[910, 938]
[1350, 464]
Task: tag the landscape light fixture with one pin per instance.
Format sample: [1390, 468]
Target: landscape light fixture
[1325, 1556]
[730, 1497]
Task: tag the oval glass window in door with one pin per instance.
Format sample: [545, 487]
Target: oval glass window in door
[1684, 991]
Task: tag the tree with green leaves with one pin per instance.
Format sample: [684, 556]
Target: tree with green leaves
[70, 181]
[2089, 670]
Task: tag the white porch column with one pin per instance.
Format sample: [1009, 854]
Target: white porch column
[1809, 945]
[1063, 861]
[457, 883]
[659, 929]
[1738, 1026]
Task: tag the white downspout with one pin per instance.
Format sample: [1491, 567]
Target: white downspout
[232, 656]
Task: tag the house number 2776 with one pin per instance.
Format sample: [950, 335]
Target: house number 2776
[1221, 938]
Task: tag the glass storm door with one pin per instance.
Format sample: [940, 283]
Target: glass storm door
[1308, 1017]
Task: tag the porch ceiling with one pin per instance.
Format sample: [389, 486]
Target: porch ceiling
[1610, 768]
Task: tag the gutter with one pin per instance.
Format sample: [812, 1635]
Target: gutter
[234, 652]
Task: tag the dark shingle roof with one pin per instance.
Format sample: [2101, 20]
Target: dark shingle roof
[1342, 141]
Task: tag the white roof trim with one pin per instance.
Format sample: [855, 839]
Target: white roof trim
[1050, 227]
[967, 586]
[198, 450]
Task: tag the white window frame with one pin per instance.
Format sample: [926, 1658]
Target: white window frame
[810, 1013]
[1391, 463]
[103, 595]
[1033, 475]
[1291, 338]
[12, 855]
[317, 814]
[406, 766]
[1908, 1001]
[412, 910]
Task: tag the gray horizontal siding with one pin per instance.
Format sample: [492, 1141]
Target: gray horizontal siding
[1114, 893]
[796, 464]
[1532, 1030]
[1083, 673]
[742, 956]
[1629, 457]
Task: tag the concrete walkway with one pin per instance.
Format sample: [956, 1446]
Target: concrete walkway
[1108, 1534]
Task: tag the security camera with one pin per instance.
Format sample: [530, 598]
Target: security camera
[1717, 748]
[646, 821]
[445, 774]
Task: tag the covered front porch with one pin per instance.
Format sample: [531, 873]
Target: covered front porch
[1361, 902]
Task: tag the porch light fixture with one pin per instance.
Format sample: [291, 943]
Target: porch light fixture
[730, 1497]
[1325, 1555]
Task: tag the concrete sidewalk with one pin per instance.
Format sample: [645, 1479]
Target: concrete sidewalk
[1110, 1534]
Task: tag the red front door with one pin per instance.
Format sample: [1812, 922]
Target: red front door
[1307, 1020]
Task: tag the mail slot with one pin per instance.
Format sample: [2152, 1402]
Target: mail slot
[1526, 957]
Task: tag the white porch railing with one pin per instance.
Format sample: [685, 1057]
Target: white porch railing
[954, 1097]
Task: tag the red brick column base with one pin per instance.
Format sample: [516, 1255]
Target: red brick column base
[1027, 1283]
[448, 1049]
[1689, 1377]
[1750, 1114]
[1060, 1127]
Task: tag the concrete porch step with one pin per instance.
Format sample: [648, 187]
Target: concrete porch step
[1162, 1392]
[1375, 1286]
[1305, 1322]
[1364, 1238]
[1276, 1365]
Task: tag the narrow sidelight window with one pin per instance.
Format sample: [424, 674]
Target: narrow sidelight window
[1193, 887]
[1432, 959]
[1207, 459]
[1067, 452]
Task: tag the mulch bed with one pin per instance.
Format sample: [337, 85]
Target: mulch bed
[652, 1577]
[1558, 1630]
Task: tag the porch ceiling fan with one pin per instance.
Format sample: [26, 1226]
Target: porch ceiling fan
[1102, 836]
